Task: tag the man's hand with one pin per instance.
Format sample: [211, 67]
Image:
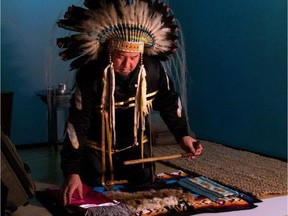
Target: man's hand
[72, 183]
[190, 144]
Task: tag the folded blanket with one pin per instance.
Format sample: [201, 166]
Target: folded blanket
[212, 190]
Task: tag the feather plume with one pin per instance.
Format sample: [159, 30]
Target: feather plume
[72, 136]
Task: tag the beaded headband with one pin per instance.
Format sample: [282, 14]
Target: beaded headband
[126, 46]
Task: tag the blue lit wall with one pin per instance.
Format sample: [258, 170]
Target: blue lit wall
[237, 57]
[30, 63]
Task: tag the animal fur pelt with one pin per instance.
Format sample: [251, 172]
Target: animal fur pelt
[153, 199]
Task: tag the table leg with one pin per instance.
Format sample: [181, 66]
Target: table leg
[52, 119]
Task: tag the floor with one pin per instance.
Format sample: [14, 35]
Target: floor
[45, 171]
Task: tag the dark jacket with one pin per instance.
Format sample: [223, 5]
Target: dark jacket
[87, 121]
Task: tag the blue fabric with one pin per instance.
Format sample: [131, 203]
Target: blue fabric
[102, 189]
[198, 189]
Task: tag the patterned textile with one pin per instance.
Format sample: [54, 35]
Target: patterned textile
[171, 194]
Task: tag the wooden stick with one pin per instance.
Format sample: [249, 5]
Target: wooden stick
[152, 159]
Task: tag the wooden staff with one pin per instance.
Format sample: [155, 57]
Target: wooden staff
[152, 159]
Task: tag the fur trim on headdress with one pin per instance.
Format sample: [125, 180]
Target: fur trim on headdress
[141, 21]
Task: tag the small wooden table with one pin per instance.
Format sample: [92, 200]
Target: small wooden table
[53, 100]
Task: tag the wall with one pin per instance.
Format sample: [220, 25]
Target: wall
[30, 63]
[237, 58]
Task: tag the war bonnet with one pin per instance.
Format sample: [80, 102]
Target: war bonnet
[144, 26]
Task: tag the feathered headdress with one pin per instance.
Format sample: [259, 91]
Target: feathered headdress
[144, 26]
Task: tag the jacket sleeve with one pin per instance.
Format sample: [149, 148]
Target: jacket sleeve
[168, 103]
[78, 123]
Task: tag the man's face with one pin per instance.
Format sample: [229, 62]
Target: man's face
[124, 62]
